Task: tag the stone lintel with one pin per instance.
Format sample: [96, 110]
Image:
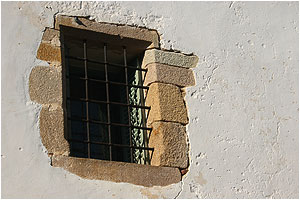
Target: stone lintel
[145, 175]
[169, 58]
[52, 130]
[45, 85]
[169, 141]
[111, 29]
[162, 73]
[167, 104]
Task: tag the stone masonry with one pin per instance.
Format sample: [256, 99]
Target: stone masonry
[168, 73]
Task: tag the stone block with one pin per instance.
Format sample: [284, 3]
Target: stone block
[51, 36]
[169, 141]
[137, 174]
[167, 104]
[49, 52]
[111, 29]
[169, 58]
[162, 73]
[52, 130]
[45, 85]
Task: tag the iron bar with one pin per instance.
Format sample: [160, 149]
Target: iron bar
[86, 96]
[106, 123]
[127, 97]
[68, 106]
[112, 144]
[103, 63]
[110, 82]
[145, 140]
[109, 102]
[107, 99]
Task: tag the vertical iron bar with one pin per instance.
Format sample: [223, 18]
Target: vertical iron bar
[128, 108]
[68, 102]
[107, 99]
[87, 97]
[146, 152]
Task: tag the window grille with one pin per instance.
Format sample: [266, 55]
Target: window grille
[106, 112]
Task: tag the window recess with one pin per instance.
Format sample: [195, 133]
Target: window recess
[105, 97]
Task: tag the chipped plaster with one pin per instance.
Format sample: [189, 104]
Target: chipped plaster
[243, 109]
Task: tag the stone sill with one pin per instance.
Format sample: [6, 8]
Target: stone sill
[145, 175]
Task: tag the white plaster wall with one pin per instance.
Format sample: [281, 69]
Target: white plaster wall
[243, 111]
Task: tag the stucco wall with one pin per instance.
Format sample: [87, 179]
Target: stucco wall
[243, 110]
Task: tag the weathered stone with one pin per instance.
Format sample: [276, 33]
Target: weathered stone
[162, 73]
[169, 58]
[111, 29]
[138, 174]
[45, 85]
[170, 145]
[49, 52]
[52, 130]
[51, 36]
[166, 103]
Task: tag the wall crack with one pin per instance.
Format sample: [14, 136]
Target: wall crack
[180, 191]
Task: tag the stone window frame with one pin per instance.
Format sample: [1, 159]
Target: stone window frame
[168, 75]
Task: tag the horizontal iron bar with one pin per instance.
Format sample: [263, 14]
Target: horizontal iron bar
[111, 144]
[112, 64]
[106, 123]
[110, 82]
[109, 102]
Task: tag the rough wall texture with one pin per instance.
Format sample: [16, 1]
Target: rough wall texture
[243, 111]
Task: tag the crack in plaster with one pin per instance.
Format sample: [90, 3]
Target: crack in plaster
[180, 191]
[231, 4]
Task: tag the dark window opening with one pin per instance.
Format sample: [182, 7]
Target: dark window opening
[106, 113]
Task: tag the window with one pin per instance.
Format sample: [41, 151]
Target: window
[106, 112]
[92, 96]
